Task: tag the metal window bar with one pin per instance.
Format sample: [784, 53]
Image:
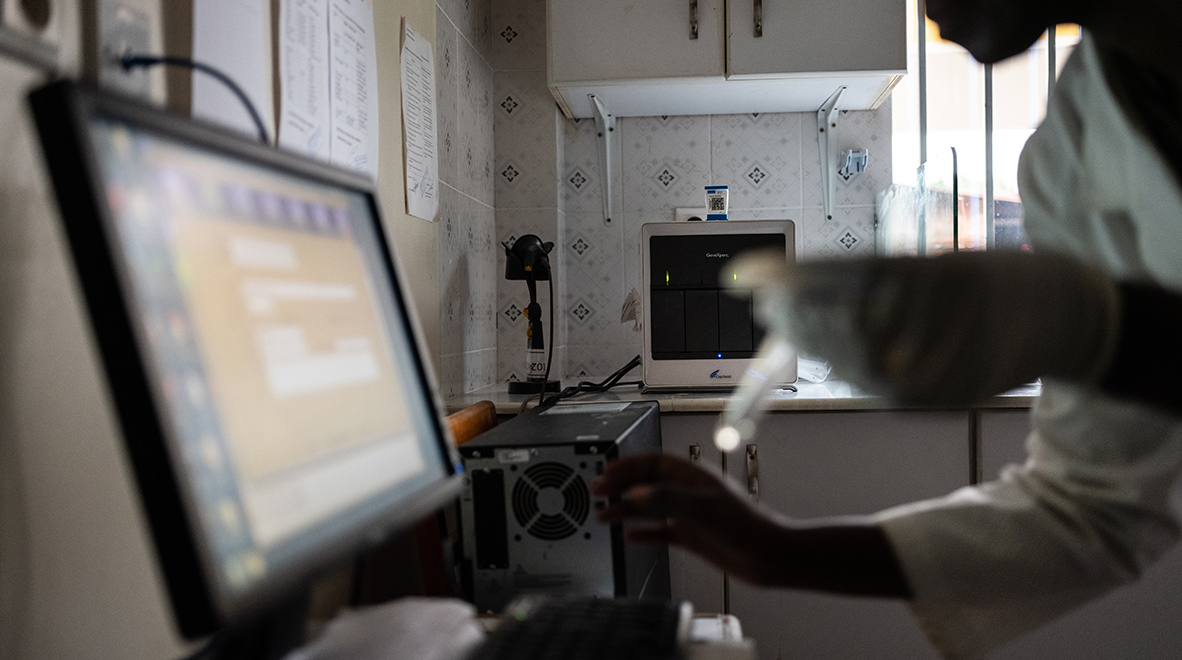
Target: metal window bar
[921, 10]
[990, 206]
[990, 201]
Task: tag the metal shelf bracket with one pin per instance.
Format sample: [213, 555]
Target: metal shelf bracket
[827, 139]
[605, 125]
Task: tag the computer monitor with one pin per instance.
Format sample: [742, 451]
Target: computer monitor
[260, 352]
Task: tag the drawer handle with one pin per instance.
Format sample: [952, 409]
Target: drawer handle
[758, 18]
[693, 6]
[695, 453]
[753, 472]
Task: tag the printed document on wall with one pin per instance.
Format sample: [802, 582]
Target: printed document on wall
[303, 74]
[418, 121]
[232, 35]
[353, 85]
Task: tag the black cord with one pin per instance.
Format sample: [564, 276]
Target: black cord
[550, 354]
[131, 61]
[587, 387]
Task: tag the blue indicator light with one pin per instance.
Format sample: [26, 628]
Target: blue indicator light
[720, 355]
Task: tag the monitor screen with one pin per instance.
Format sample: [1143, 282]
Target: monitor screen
[276, 352]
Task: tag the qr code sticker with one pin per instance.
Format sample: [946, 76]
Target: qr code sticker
[717, 204]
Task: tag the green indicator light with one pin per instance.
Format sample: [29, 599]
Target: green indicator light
[666, 278]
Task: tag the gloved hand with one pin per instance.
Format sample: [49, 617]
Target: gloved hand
[947, 330]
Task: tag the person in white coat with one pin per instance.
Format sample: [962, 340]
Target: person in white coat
[1101, 184]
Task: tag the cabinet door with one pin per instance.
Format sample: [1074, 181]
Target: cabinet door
[823, 464]
[691, 578]
[801, 36]
[1002, 435]
[1137, 621]
[620, 40]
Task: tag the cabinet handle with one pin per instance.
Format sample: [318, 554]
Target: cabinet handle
[753, 472]
[695, 453]
[693, 19]
[758, 18]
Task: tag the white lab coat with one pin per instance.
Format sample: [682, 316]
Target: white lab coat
[1090, 508]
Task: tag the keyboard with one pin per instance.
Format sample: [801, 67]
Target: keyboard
[589, 628]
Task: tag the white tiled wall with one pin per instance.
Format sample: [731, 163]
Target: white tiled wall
[770, 161]
[529, 158]
[467, 221]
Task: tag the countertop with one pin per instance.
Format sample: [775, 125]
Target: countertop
[826, 396]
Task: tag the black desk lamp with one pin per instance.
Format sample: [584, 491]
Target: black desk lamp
[527, 259]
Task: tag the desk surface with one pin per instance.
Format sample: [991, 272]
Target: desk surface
[827, 396]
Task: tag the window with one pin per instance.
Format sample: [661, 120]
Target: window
[969, 120]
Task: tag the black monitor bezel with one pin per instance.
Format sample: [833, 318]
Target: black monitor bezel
[62, 111]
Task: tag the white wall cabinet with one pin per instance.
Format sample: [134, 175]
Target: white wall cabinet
[654, 58]
[815, 37]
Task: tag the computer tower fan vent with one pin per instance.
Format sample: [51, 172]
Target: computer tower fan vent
[551, 501]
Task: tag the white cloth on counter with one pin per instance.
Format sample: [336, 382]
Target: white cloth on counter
[1090, 509]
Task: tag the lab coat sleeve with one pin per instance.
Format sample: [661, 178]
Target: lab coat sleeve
[1090, 507]
[1087, 512]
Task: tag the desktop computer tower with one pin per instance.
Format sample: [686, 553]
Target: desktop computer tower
[528, 516]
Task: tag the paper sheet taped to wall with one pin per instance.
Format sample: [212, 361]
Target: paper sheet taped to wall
[353, 79]
[419, 125]
[303, 77]
[328, 76]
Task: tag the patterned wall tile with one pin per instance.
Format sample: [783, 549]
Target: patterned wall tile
[467, 277]
[666, 162]
[473, 18]
[453, 269]
[467, 223]
[510, 364]
[465, 372]
[630, 252]
[581, 189]
[595, 282]
[758, 156]
[475, 149]
[479, 369]
[451, 375]
[527, 133]
[598, 361]
[849, 234]
[864, 129]
[480, 330]
[518, 34]
[447, 89]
